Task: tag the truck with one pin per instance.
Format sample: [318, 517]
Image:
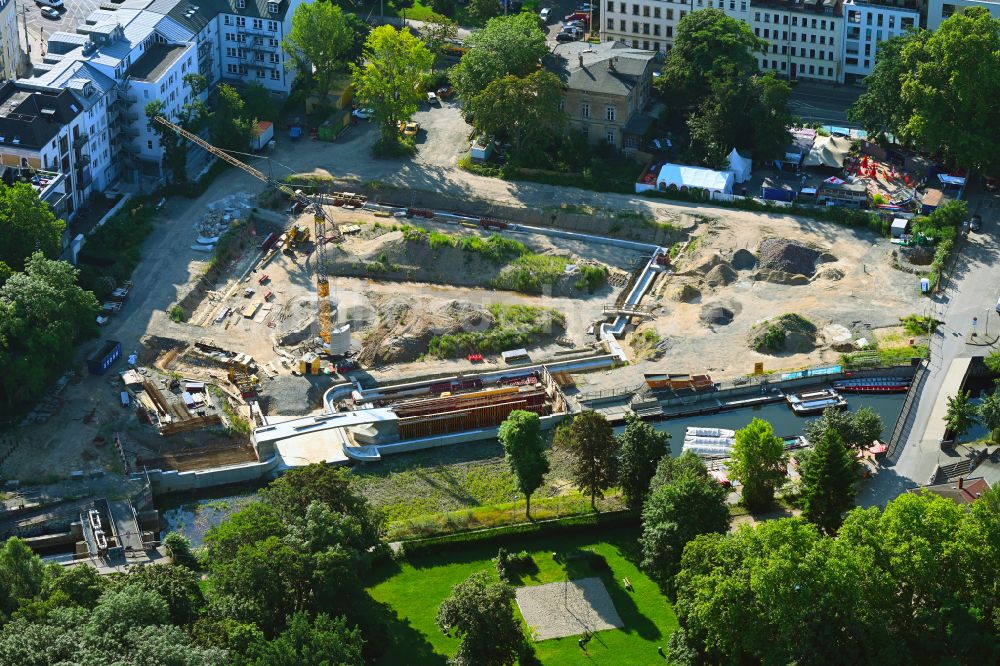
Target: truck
[263, 133]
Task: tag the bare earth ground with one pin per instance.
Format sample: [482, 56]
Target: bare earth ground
[579, 606]
[88, 405]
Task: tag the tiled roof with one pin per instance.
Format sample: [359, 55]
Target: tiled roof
[609, 67]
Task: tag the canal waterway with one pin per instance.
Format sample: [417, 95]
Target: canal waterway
[192, 516]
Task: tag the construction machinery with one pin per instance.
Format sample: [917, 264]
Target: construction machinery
[297, 235]
[241, 371]
[307, 202]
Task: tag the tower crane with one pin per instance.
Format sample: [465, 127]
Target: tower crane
[309, 203]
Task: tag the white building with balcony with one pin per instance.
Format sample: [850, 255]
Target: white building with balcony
[939, 10]
[866, 25]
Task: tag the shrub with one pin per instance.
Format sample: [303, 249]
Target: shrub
[918, 325]
[591, 278]
[177, 314]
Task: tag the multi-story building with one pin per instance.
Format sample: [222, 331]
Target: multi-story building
[607, 87]
[805, 38]
[644, 24]
[866, 25]
[11, 57]
[939, 10]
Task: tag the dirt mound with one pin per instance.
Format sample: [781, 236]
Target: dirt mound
[918, 255]
[831, 273]
[789, 334]
[721, 275]
[716, 315]
[686, 293]
[780, 254]
[780, 277]
[743, 260]
[704, 262]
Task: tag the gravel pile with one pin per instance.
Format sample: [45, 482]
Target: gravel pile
[721, 276]
[743, 260]
[779, 254]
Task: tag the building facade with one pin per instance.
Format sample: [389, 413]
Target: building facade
[939, 10]
[607, 87]
[805, 38]
[644, 24]
[11, 56]
[866, 25]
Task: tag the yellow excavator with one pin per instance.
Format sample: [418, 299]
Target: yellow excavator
[319, 220]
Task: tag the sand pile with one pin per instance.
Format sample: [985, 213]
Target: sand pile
[743, 260]
[779, 254]
[721, 275]
[686, 293]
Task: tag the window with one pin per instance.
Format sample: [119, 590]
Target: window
[822, 24]
[271, 41]
[621, 25]
[767, 33]
[241, 4]
[149, 145]
[272, 8]
[892, 22]
[743, 6]
[258, 24]
[611, 24]
[241, 22]
[260, 57]
[656, 12]
[609, 113]
[656, 30]
[621, 7]
[645, 44]
[635, 10]
[645, 30]
[275, 75]
[585, 108]
[756, 32]
[611, 5]
[764, 64]
[229, 37]
[228, 20]
[260, 73]
[670, 31]
[812, 53]
[812, 69]
[670, 15]
[829, 71]
[610, 136]
[635, 30]
[795, 20]
[784, 50]
[145, 94]
[231, 68]
[812, 38]
[585, 130]
[645, 11]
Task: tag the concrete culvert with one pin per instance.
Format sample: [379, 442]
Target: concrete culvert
[780, 254]
[721, 275]
[743, 260]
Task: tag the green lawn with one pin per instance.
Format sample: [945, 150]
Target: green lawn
[414, 590]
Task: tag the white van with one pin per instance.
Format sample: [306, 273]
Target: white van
[544, 14]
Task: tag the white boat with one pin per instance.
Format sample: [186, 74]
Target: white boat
[708, 432]
[707, 450]
[814, 402]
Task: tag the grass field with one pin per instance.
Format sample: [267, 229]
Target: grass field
[414, 590]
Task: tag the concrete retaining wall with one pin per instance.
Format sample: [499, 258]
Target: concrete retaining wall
[548, 422]
[172, 481]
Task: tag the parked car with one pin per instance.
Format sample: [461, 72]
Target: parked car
[573, 24]
[545, 14]
[409, 129]
[565, 37]
[586, 7]
[976, 223]
[55, 4]
[363, 114]
[444, 92]
[50, 13]
[432, 99]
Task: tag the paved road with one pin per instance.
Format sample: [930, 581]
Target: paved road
[971, 291]
[823, 103]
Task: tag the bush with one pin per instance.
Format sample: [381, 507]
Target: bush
[918, 325]
[508, 533]
[591, 278]
[177, 314]
[531, 272]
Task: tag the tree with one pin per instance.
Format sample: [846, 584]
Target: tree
[324, 641]
[318, 42]
[989, 413]
[388, 81]
[180, 550]
[481, 614]
[21, 575]
[523, 111]
[828, 482]
[671, 469]
[879, 110]
[258, 103]
[593, 447]
[507, 46]
[176, 586]
[42, 312]
[482, 11]
[674, 515]
[524, 450]
[758, 463]
[27, 225]
[230, 127]
[710, 47]
[438, 31]
[961, 414]
[856, 430]
[641, 447]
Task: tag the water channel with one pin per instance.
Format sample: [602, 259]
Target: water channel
[192, 516]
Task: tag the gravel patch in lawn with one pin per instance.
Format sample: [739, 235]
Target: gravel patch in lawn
[556, 610]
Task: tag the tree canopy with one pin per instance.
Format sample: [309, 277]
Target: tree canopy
[594, 451]
[641, 447]
[857, 429]
[319, 41]
[521, 111]
[27, 226]
[828, 478]
[524, 450]
[758, 463]
[928, 89]
[961, 414]
[481, 613]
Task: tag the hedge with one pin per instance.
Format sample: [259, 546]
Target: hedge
[497, 536]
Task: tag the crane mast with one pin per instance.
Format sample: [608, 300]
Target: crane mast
[310, 203]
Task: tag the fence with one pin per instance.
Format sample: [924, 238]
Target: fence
[898, 437]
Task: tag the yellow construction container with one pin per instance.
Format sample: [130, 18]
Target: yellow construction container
[310, 364]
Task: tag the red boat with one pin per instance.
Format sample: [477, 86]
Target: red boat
[873, 385]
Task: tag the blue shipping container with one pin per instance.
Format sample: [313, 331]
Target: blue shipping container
[99, 363]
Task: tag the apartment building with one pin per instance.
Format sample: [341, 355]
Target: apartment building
[608, 86]
[11, 57]
[939, 10]
[866, 25]
[644, 24]
[805, 38]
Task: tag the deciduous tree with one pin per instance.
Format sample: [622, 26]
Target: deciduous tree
[230, 127]
[857, 429]
[641, 447]
[481, 11]
[524, 450]
[989, 413]
[758, 463]
[27, 225]
[523, 111]
[828, 478]
[318, 42]
[961, 414]
[480, 612]
[594, 450]
[670, 469]
[438, 31]
[324, 641]
[388, 80]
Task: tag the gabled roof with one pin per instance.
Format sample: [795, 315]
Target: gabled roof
[962, 491]
[609, 67]
[29, 119]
